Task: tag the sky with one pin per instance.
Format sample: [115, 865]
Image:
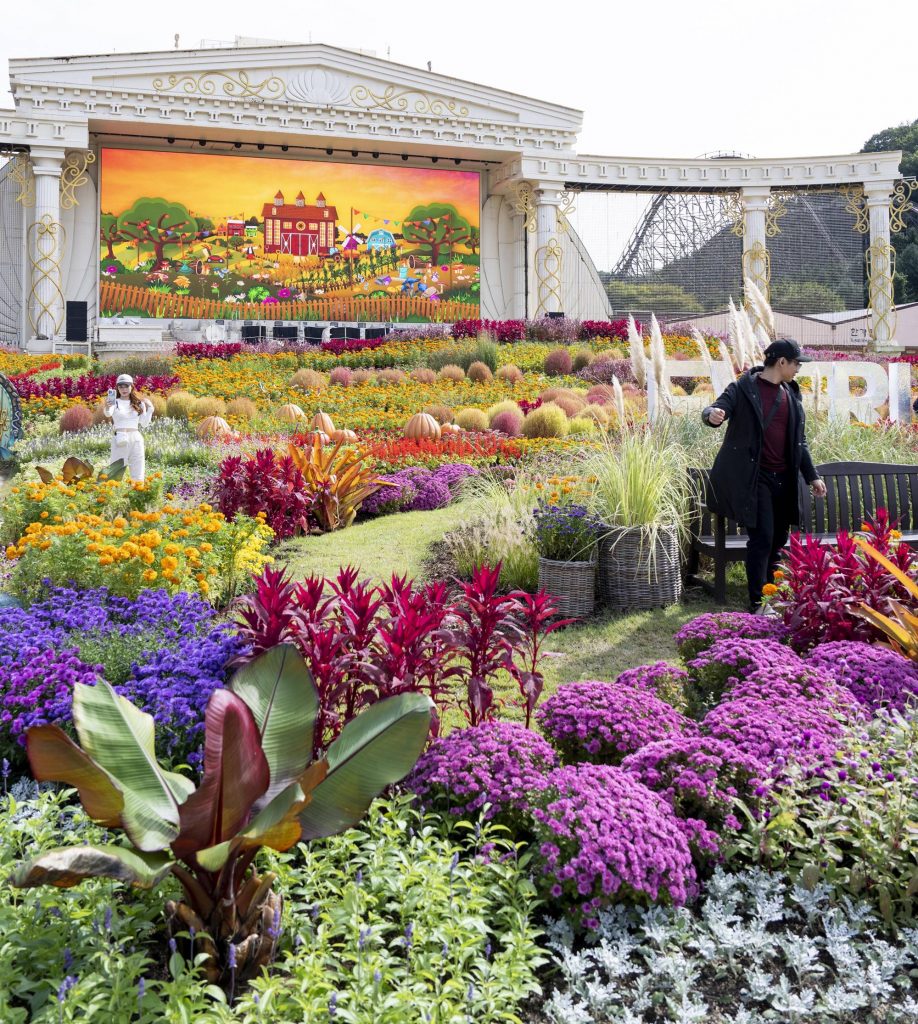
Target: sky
[657, 78]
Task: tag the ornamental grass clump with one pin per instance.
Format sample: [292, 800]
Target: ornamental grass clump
[604, 722]
[704, 631]
[701, 778]
[548, 420]
[494, 767]
[475, 420]
[565, 533]
[601, 837]
[878, 677]
[667, 681]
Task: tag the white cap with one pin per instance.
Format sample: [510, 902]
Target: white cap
[125, 378]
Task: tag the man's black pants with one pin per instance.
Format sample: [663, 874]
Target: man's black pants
[776, 507]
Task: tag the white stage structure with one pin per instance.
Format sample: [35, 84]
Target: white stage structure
[320, 102]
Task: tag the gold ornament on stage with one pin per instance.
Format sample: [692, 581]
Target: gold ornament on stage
[21, 173]
[881, 271]
[236, 84]
[391, 98]
[46, 249]
[856, 205]
[564, 211]
[734, 211]
[524, 205]
[548, 260]
[901, 203]
[73, 176]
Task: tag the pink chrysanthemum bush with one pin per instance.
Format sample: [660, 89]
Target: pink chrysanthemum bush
[701, 778]
[604, 722]
[877, 676]
[704, 631]
[495, 765]
[667, 681]
[731, 659]
[601, 837]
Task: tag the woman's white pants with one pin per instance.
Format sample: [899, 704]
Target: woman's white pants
[129, 446]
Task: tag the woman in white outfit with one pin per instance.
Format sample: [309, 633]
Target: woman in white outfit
[128, 413]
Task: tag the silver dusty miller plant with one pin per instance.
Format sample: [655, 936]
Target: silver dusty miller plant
[757, 950]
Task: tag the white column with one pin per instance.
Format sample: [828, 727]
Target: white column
[46, 250]
[880, 268]
[756, 262]
[548, 256]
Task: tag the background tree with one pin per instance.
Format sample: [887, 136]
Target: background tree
[803, 296]
[158, 223]
[904, 137]
[108, 232]
[474, 242]
[434, 228]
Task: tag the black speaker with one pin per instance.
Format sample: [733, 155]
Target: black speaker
[375, 332]
[555, 316]
[253, 333]
[337, 332]
[313, 333]
[77, 327]
[351, 333]
[285, 333]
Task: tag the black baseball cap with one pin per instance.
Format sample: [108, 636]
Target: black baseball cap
[786, 348]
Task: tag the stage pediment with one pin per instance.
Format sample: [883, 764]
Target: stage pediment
[310, 76]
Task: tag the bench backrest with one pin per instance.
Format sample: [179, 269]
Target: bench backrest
[854, 490]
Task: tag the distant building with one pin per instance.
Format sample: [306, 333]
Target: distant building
[380, 239]
[299, 230]
[235, 228]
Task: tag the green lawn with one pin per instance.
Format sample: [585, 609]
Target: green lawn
[599, 648]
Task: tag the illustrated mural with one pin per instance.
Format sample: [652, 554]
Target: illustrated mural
[188, 235]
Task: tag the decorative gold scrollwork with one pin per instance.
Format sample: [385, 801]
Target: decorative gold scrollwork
[757, 269]
[565, 209]
[856, 205]
[73, 175]
[901, 203]
[548, 260]
[21, 173]
[524, 205]
[774, 211]
[46, 299]
[234, 84]
[391, 98]
[734, 210]
[881, 270]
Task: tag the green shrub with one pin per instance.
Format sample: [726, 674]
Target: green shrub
[548, 420]
[582, 425]
[140, 366]
[507, 405]
[472, 419]
[449, 355]
[581, 359]
[485, 351]
[348, 902]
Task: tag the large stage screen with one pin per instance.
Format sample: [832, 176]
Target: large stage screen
[206, 236]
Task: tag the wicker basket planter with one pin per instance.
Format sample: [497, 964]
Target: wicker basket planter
[571, 584]
[634, 574]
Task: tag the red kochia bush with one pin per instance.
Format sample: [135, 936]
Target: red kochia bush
[266, 483]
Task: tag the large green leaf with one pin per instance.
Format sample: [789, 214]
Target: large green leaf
[54, 757]
[374, 750]
[279, 689]
[235, 775]
[70, 865]
[120, 739]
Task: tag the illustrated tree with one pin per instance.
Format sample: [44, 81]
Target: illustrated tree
[109, 233]
[474, 242]
[435, 228]
[158, 223]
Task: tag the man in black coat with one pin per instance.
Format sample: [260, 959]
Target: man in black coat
[755, 475]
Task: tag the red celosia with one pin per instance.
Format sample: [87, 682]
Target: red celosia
[89, 386]
[204, 350]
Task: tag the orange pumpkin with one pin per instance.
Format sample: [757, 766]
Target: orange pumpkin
[422, 425]
[214, 426]
[322, 422]
[317, 435]
[343, 435]
[290, 412]
[450, 428]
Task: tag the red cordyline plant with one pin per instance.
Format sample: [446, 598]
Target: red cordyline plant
[823, 587]
[364, 642]
[205, 350]
[269, 483]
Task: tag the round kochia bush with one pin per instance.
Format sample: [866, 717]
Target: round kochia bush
[496, 763]
[701, 778]
[602, 836]
[700, 633]
[877, 676]
[604, 722]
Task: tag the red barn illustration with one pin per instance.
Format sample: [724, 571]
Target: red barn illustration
[299, 230]
[235, 227]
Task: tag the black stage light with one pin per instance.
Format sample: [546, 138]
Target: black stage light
[261, 145]
[376, 156]
[171, 141]
[284, 149]
[201, 142]
[434, 159]
[404, 156]
[457, 162]
[353, 152]
[329, 152]
[237, 145]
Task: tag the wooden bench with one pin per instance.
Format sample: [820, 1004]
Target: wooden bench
[854, 490]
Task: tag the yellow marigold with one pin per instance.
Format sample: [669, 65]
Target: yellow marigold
[15, 490]
[779, 575]
[769, 589]
[205, 507]
[204, 587]
[106, 560]
[11, 551]
[169, 564]
[120, 522]
[206, 546]
[149, 575]
[44, 515]
[895, 534]
[192, 553]
[172, 549]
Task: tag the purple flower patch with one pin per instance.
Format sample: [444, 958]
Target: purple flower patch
[877, 676]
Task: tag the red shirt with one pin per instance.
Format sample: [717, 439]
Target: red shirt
[774, 447]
